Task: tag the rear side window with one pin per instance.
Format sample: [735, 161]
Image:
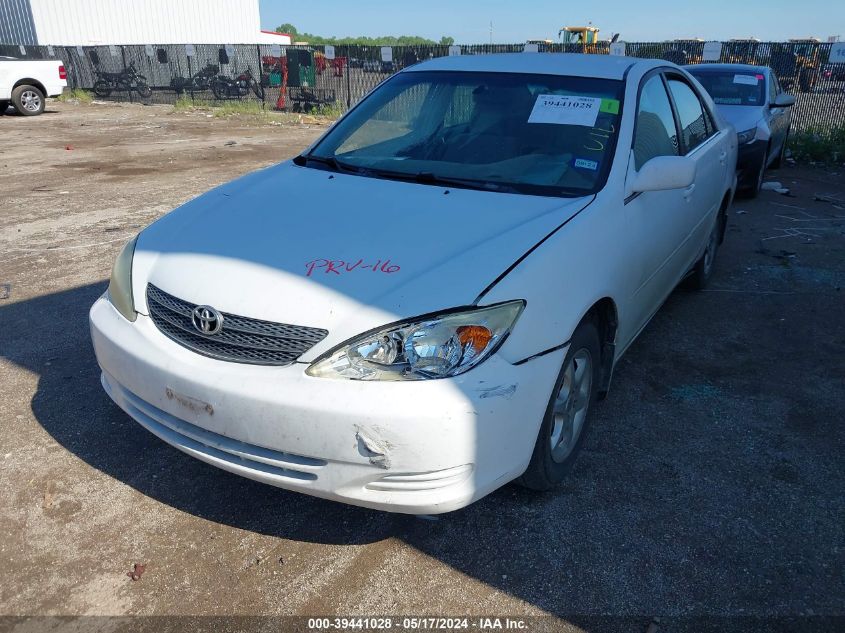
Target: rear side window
[690, 113]
[655, 133]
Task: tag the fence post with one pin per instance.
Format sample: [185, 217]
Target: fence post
[190, 76]
[348, 78]
[260, 78]
[123, 58]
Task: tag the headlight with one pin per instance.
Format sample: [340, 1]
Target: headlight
[747, 136]
[120, 284]
[439, 346]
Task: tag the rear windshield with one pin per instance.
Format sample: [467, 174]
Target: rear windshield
[733, 88]
[508, 132]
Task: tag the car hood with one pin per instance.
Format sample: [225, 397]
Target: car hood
[341, 252]
[740, 116]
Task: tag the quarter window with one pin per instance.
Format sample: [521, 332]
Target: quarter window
[655, 134]
[690, 113]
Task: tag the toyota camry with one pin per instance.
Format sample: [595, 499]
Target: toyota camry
[425, 304]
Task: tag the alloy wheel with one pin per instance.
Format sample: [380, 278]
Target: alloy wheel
[30, 101]
[571, 404]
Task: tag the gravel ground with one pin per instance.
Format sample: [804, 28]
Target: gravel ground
[710, 492]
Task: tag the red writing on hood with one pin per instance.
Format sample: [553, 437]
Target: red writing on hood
[339, 267]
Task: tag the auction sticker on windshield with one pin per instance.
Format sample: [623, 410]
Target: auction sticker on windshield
[565, 110]
[748, 80]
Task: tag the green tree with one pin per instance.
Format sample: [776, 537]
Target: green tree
[381, 40]
[290, 29]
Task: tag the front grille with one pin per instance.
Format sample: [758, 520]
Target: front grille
[241, 340]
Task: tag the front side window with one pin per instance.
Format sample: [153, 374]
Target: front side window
[655, 133]
[690, 113]
[507, 132]
[732, 88]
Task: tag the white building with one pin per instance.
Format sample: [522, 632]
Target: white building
[98, 22]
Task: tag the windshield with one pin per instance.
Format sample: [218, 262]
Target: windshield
[516, 133]
[733, 88]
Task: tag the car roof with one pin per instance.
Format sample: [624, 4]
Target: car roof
[743, 68]
[567, 64]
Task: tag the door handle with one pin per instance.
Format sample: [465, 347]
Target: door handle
[688, 191]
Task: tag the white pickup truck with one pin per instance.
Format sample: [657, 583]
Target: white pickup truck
[26, 83]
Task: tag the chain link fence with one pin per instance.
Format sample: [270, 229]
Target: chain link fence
[332, 79]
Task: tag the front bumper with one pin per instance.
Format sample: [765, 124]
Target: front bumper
[419, 447]
[748, 161]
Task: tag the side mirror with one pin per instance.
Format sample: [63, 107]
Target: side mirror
[783, 100]
[664, 172]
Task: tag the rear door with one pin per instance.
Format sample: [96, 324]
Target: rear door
[708, 147]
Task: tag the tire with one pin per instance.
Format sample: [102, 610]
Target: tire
[778, 162]
[4, 105]
[102, 88]
[703, 269]
[567, 416]
[28, 100]
[143, 89]
[218, 89]
[753, 190]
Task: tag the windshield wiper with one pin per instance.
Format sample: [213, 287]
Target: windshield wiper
[329, 161]
[428, 178]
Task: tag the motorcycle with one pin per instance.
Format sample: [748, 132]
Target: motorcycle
[223, 87]
[126, 80]
[198, 82]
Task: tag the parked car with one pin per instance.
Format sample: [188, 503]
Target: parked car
[25, 84]
[459, 263]
[834, 72]
[752, 100]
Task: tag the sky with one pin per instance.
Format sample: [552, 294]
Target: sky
[636, 20]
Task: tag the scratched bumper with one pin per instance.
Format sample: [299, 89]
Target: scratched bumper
[416, 447]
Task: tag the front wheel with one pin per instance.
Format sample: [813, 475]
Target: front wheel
[28, 100]
[102, 88]
[778, 163]
[564, 425]
[218, 89]
[143, 90]
[751, 191]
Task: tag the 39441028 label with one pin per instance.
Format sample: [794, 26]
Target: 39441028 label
[565, 110]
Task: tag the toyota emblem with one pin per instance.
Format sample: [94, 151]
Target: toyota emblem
[207, 320]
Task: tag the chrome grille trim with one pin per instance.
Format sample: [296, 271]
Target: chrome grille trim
[242, 339]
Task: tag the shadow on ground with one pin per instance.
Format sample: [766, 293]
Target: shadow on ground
[711, 483]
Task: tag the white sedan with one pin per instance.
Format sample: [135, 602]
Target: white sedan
[424, 305]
